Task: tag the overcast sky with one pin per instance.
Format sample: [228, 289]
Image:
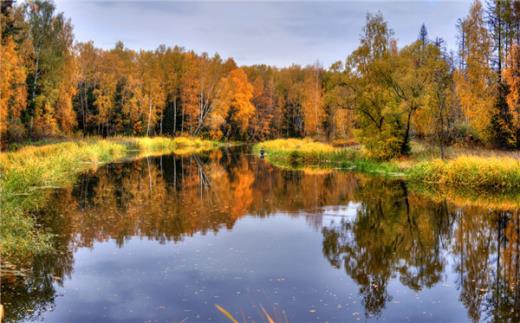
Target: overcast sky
[276, 33]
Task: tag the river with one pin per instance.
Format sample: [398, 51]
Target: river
[166, 239]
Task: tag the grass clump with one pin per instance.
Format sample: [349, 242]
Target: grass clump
[27, 173]
[480, 173]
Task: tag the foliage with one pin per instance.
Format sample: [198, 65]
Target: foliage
[383, 94]
[511, 76]
[232, 104]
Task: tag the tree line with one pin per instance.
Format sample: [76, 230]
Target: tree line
[382, 95]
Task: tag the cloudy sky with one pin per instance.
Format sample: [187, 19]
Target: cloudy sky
[270, 32]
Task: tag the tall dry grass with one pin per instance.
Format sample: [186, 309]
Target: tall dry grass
[479, 173]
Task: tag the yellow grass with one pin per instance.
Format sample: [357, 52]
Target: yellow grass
[302, 145]
[470, 172]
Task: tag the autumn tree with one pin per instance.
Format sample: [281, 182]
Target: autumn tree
[435, 119]
[13, 91]
[152, 98]
[377, 113]
[87, 59]
[52, 74]
[511, 76]
[500, 18]
[474, 83]
[312, 101]
[232, 109]
[190, 89]
[263, 100]
[338, 108]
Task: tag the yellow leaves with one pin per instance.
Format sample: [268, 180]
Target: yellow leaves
[511, 77]
[474, 84]
[476, 98]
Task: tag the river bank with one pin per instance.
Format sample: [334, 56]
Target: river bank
[499, 173]
[29, 174]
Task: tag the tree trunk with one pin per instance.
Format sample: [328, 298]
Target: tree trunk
[406, 139]
[174, 115]
[149, 116]
[182, 118]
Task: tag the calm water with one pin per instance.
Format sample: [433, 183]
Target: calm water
[165, 239]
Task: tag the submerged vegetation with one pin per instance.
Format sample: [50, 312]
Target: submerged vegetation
[29, 172]
[476, 173]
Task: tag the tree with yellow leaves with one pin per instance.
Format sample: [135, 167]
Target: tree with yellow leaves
[312, 103]
[511, 76]
[474, 83]
[232, 108]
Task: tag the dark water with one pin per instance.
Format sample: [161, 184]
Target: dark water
[165, 239]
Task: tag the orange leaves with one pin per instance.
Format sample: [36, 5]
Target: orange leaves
[233, 102]
[312, 103]
[511, 77]
[13, 91]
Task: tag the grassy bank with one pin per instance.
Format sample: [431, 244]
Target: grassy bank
[469, 172]
[477, 173]
[28, 173]
[305, 153]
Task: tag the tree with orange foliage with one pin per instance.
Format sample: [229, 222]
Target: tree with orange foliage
[232, 107]
[13, 91]
[312, 103]
[153, 97]
[263, 100]
[189, 94]
[511, 76]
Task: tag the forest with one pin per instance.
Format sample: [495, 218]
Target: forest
[381, 96]
[169, 184]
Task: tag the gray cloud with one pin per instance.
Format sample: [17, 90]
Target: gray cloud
[278, 33]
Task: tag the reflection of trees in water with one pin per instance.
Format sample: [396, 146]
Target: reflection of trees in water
[391, 234]
[394, 232]
[27, 297]
[398, 233]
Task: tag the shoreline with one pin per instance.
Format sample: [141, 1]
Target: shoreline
[498, 174]
[29, 172]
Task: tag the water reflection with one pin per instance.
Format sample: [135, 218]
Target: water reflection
[374, 230]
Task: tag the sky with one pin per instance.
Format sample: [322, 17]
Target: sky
[265, 32]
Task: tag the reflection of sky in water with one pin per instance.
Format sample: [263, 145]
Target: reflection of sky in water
[275, 262]
[334, 214]
[149, 241]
